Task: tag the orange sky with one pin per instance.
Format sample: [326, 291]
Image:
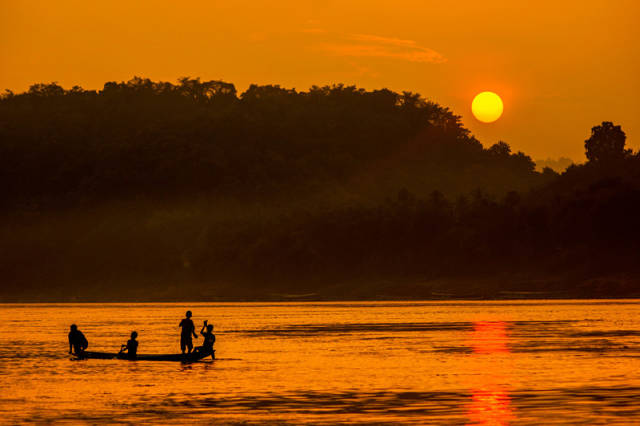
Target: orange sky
[560, 66]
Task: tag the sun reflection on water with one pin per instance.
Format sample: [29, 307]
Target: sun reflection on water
[490, 406]
[490, 401]
[489, 337]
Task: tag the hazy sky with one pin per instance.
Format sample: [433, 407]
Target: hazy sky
[560, 66]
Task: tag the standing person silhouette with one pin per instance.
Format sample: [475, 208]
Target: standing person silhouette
[188, 329]
[77, 341]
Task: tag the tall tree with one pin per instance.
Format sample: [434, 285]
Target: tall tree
[606, 144]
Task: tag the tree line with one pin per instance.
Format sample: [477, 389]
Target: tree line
[157, 139]
[150, 189]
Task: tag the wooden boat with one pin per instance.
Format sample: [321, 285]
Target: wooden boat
[185, 358]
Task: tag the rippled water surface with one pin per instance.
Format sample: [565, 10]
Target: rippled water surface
[434, 362]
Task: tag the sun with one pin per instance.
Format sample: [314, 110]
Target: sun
[487, 107]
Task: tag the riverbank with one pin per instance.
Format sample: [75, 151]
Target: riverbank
[494, 288]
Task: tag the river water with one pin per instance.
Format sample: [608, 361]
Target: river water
[539, 362]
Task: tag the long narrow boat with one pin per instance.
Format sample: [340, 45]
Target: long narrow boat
[185, 358]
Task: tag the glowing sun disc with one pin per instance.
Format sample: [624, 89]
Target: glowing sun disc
[487, 107]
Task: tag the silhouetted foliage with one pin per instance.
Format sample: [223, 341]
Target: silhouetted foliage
[150, 190]
[157, 139]
[606, 144]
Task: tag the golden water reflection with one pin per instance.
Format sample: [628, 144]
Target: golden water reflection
[489, 337]
[490, 400]
[370, 362]
[490, 406]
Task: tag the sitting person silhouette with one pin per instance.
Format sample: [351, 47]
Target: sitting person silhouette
[131, 348]
[77, 341]
[187, 330]
[209, 340]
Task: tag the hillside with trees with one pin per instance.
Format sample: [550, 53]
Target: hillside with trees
[157, 191]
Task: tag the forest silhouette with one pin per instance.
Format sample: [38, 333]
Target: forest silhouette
[157, 191]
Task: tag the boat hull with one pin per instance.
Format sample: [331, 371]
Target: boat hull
[184, 358]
